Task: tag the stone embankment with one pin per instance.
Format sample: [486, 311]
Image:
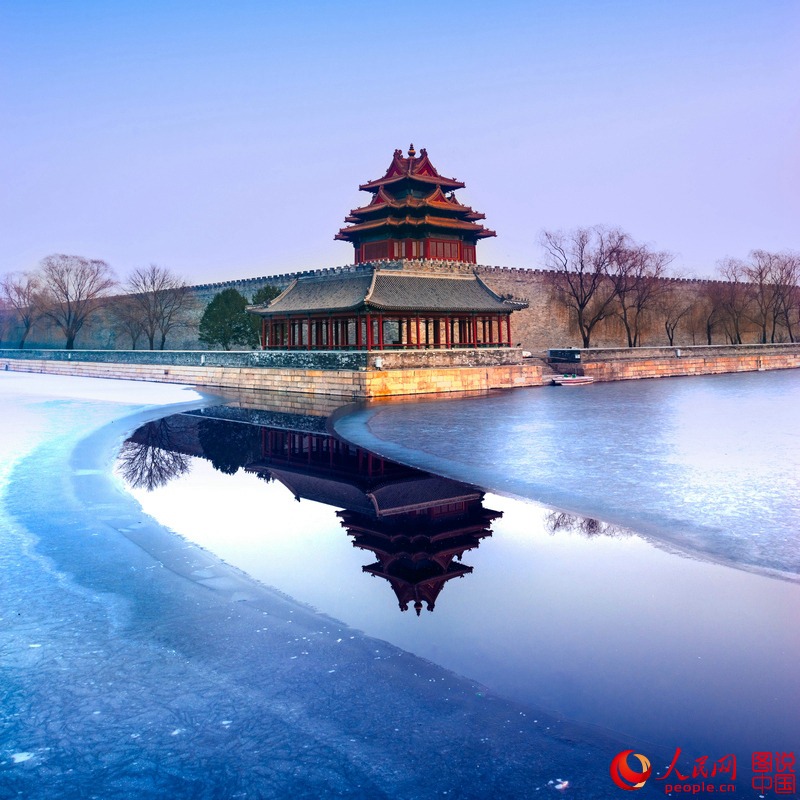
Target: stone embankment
[624, 363]
[361, 374]
[349, 374]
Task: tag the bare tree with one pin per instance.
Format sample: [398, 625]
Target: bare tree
[787, 289]
[773, 278]
[707, 313]
[674, 305]
[580, 262]
[19, 291]
[161, 301]
[759, 273]
[72, 289]
[637, 274]
[126, 318]
[734, 296]
[6, 315]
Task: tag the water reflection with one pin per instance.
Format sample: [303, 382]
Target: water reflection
[150, 458]
[417, 525]
[561, 521]
[560, 612]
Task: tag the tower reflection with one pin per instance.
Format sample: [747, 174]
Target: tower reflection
[417, 525]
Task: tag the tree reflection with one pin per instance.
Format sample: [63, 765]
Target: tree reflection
[147, 460]
[229, 446]
[561, 521]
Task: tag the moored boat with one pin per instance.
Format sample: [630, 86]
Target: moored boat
[572, 380]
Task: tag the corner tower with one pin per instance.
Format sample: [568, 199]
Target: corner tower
[413, 213]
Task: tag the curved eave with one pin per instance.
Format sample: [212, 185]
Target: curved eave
[413, 203]
[429, 180]
[506, 308]
[457, 226]
[266, 312]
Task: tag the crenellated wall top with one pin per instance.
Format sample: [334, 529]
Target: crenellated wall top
[418, 265]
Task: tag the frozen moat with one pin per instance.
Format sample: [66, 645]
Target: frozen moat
[136, 664]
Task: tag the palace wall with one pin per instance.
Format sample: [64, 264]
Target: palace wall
[546, 323]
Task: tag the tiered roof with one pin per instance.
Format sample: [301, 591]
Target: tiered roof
[412, 200]
[418, 555]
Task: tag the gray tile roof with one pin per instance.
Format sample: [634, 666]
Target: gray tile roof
[424, 492]
[328, 293]
[332, 492]
[389, 290]
[397, 290]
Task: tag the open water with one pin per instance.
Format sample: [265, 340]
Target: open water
[636, 572]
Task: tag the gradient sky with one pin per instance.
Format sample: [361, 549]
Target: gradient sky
[228, 140]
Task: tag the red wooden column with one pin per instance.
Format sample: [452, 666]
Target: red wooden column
[447, 332]
[369, 331]
[508, 328]
[380, 331]
[419, 344]
[474, 331]
[358, 331]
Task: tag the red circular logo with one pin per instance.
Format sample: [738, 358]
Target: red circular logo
[624, 776]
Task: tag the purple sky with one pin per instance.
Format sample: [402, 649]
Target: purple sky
[228, 140]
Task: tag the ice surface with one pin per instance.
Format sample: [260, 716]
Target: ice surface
[200, 696]
[709, 464]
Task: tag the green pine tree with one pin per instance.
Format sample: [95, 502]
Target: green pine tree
[260, 298]
[226, 324]
[265, 294]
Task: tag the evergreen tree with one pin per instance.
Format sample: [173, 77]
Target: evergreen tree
[225, 323]
[261, 298]
[229, 446]
[265, 294]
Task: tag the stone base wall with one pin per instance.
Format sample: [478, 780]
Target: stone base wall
[350, 384]
[346, 383]
[660, 362]
[386, 383]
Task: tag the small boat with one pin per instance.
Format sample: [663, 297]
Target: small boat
[572, 380]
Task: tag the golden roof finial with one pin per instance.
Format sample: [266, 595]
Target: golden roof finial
[411, 151]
